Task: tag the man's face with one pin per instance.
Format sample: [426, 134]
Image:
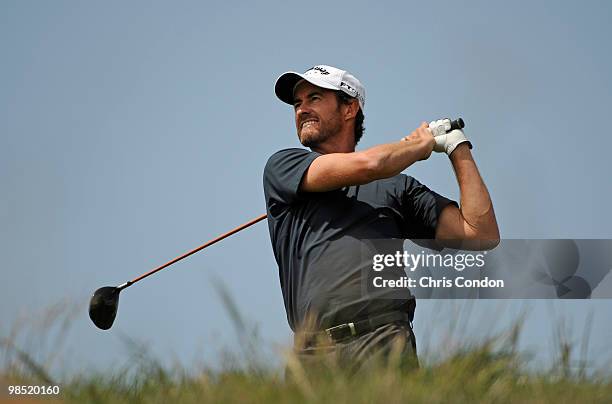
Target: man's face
[317, 114]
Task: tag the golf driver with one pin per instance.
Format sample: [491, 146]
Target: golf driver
[105, 301]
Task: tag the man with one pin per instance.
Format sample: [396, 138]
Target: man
[325, 203]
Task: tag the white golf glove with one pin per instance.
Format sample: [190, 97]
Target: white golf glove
[446, 142]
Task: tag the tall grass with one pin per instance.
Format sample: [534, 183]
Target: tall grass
[491, 371]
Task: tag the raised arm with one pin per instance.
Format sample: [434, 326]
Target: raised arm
[474, 222]
[337, 170]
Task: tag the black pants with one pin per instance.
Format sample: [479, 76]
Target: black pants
[389, 345]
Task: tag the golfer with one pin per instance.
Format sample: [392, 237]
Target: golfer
[323, 202]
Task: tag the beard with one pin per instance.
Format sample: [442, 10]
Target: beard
[320, 132]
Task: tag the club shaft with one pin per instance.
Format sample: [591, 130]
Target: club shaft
[195, 250]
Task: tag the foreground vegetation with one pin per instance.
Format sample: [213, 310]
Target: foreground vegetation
[477, 375]
[492, 371]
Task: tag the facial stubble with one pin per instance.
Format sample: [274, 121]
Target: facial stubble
[327, 129]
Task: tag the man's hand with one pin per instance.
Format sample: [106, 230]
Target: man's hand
[422, 134]
[448, 142]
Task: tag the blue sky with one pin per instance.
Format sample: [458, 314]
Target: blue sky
[131, 132]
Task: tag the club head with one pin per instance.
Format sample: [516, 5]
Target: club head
[103, 307]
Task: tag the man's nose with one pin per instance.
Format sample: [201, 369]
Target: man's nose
[302, 109]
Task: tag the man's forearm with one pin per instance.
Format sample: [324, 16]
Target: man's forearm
[392, 158]
[336, 170]
[476, 205]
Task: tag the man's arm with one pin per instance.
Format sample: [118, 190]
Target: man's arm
[337, 170]
[473, 226]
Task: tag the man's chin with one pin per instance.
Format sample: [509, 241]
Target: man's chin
[307, 143]
[309, 139]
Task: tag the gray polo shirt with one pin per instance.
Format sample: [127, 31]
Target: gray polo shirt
[318, 238]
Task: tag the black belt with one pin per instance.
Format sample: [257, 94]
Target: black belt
[347, 330]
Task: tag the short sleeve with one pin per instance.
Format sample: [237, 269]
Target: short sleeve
[283, 174]
[422, 208]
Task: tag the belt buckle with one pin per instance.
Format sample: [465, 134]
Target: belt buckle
[339, 328]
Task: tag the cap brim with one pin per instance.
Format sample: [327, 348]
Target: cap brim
[286, 83]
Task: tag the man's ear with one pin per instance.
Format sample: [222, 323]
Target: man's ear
[351, 109]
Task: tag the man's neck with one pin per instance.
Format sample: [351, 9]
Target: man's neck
[337, 144]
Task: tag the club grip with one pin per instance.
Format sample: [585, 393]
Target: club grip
[457, 124]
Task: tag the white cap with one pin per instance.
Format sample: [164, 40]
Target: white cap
[323, 76]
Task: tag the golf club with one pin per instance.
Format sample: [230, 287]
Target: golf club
[105, 301]
[457, 124]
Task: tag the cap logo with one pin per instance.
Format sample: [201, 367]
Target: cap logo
[352, 91]
[320, 69]
[348, 87]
